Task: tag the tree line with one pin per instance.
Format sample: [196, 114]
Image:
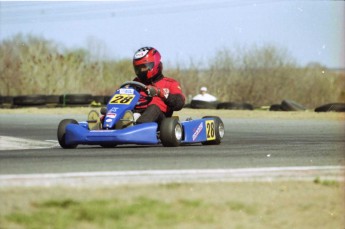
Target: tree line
[257, 75]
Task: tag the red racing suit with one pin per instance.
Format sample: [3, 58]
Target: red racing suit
[173, 100]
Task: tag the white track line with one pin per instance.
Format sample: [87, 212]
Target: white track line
[167, 176]
[13, 143]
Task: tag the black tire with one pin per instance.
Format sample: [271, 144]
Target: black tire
[106, 99]
[289, 105]
[7, 100]
[76, 99]
[337, 107]
[235, 106]
[61, 133]
[196, 104]
[29, 100]
[53, 99]
[276, 107]
[171, 132]
[219, 131]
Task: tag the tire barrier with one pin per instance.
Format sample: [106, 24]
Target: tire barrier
[100, 100]
[52, 100]
[235, 106]
[337, 107]
[276, 107]
[287, 105]
[97, 101]
[197, 104]
[6, 101]
[76, 99]
[29, 100]
[106, 99]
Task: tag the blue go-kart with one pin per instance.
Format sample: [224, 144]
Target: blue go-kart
[118, 126]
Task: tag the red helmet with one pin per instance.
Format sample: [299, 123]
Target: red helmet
[147, 64]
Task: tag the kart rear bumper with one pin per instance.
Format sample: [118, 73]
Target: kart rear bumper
[145, 133]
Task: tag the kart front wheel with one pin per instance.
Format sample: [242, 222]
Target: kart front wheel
[215, 131]
[61, 133]
[171, 132]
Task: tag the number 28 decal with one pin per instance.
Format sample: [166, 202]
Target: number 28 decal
[210, 130]
[121, 99]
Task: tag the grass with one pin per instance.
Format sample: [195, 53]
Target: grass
[258, 205]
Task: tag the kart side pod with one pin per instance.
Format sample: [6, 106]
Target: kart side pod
[70, 134]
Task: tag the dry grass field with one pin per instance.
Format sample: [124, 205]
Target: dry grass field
[307, 205]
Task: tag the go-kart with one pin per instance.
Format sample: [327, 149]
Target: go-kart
[118, 125]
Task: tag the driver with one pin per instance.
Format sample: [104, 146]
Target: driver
[165, 93]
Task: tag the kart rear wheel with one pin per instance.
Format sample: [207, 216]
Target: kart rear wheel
[218, 129]
[61, 133]
[171, 132]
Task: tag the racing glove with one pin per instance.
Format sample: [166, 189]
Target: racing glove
[156, 91]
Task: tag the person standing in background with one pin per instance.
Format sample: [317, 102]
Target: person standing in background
[204, 96]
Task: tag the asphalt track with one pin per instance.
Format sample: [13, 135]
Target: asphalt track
[248, 143]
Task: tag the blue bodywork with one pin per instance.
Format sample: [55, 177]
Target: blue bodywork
[125, 99]
[145, 133]
[194, 131]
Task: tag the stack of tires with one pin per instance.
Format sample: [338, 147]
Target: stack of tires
[6, 101]
[336, 107]
[51, 100]
[197, 104]
[287, 105]
[76, 99]
[29, 100]
[235, 106]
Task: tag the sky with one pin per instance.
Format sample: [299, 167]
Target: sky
[185, 30]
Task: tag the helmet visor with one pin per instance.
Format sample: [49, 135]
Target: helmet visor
[143, 67]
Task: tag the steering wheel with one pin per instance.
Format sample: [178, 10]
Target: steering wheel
[136, 85]
[144, 100]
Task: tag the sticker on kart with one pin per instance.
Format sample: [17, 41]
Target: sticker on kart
[210, 130]
[121, 99]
